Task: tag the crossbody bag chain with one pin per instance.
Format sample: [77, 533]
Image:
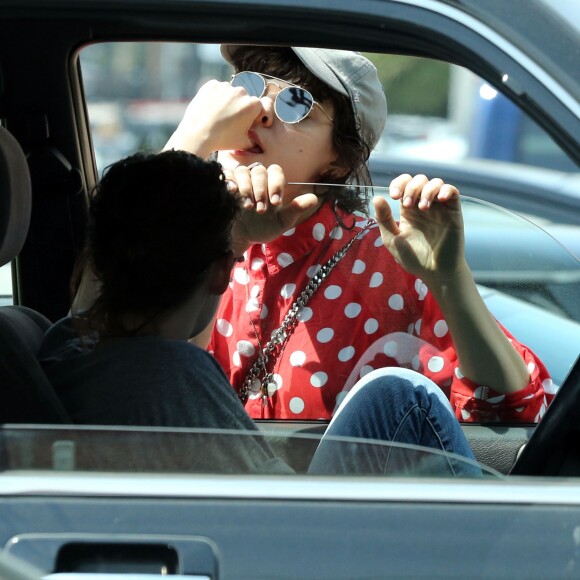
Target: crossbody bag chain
[279, 338]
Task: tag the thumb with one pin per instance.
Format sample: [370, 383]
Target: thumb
[291, 214]
[385, 219]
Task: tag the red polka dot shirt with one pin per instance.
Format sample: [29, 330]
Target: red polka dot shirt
[367, 314]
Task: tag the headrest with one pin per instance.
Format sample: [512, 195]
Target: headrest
[15, 197]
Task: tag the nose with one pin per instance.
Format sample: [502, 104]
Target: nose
[267, 114]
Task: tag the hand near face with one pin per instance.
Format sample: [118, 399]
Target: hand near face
[428, 241]
[265, 214]
[218, 117]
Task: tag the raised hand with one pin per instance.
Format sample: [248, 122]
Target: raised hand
[428, 241]
[218, 117]
[266, 213]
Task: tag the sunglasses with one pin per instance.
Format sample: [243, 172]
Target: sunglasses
[291, 105]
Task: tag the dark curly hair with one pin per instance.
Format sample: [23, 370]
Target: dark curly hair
[352, 152]
[156, 223]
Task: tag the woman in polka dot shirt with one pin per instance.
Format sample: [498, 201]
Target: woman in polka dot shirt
[394, 295]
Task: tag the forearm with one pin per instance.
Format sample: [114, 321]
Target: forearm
[186, 139]
[485, 354]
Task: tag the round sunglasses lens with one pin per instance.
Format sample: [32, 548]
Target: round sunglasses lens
[253, 83]
[293, 104]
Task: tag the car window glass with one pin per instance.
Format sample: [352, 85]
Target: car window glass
[6, 285]
[129, 450]
[443, 121]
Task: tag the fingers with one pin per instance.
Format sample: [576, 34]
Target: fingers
[257, 186]
[420, 191]
[385, 219]
[290, 215]
[217, 118]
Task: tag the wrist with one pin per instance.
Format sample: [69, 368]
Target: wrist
[445, 284]
[195, 142]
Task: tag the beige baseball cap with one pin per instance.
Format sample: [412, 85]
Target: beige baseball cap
[350, 74]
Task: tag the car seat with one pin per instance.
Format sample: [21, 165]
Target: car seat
[26, 395]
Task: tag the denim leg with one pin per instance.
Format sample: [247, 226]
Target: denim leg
[400, 406]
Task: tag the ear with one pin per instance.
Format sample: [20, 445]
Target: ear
[334, 171]
[220, 273]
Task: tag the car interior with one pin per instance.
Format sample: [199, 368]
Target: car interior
[47, 171]
[74, 520]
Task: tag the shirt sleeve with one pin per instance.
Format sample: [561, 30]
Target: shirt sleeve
[473, 402]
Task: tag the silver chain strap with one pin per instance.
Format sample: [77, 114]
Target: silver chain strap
[274, 347]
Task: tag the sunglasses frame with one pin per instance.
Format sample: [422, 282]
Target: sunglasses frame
[267, 80]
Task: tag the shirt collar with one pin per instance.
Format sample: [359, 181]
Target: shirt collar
[298, 242]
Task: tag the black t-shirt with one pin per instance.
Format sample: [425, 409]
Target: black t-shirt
[153, 381]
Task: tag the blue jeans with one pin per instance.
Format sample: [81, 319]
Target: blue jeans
[400, 406]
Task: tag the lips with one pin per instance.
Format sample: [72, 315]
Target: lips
[256, 145]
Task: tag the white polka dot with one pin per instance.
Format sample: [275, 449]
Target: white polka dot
[376, 280]
[391, 348]
[366, 370]
[257, 263]
[246, 348]
[411, 328]
[333, 292]
[549, 386]
[296, 405]
[479, 393]
[340, 398]
[346, 353]
[519, 409]
[224, 327]
[336, 233]
[236, 359]
[371, 325]
[352, 310]
[358, 267]
[318, 232]
[496, 400]
[284, 259]
[255, 291]
[275, 384]
[531, 367]
[289, 232]
[297, 358]
[378, 242]
[435, 364]
[264, 312]
[305, 314]
[313, 270]
[421, 289]
[418, 326]
[541, 413]
[287, 290]
[263, 246]
[396, 302]
[241, 276]
[465, 414]
[440, 329]
[325, 335]
[252, 305]
[319, 379]
[458, 373]
[416, 363]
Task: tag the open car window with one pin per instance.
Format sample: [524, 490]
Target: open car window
[522, 237]
[233, 452]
